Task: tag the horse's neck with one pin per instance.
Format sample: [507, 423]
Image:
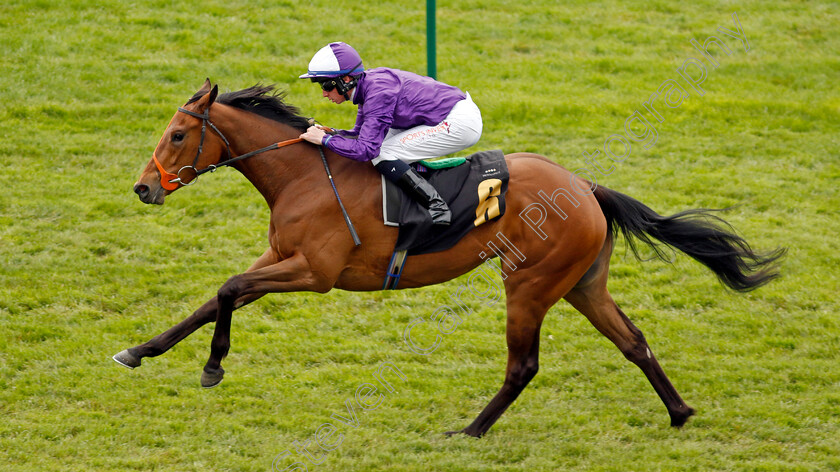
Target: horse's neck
[292, 179]
[270, 172]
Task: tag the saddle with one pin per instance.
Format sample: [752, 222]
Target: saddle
[474, 188]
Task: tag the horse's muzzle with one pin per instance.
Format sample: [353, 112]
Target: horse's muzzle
[147, 196]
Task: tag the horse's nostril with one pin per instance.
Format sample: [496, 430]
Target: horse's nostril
[141, 190]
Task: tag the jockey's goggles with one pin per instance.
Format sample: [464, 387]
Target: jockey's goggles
[329, 85]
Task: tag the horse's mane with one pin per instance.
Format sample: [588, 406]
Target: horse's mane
[264, 101]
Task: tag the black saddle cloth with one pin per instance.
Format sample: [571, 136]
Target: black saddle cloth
[474, 191]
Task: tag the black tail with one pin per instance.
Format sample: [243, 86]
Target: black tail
[703, 236]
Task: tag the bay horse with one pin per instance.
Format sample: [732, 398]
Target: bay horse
[310, 248]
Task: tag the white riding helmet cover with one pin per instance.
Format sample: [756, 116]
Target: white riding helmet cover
[334, 60]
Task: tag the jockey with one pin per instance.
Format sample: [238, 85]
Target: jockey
[402, 118]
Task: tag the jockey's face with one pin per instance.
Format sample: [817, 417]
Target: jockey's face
[333, 95]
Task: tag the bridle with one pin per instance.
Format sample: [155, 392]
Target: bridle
[170, 181]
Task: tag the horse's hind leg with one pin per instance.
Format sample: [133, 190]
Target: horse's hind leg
[591, 298]
[523, 339]
[527, 304]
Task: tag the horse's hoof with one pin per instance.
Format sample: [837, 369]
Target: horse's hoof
[449, 434]
[127, 359]
[679, 419]
[210, 379]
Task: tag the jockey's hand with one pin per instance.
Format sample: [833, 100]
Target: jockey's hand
[314, 135]
[327, 129]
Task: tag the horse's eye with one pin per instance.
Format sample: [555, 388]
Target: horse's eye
[177, 137]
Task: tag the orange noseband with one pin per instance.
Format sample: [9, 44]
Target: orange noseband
[166, 178]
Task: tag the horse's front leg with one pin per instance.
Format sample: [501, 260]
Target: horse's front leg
[161, 343]
[289, 275]
[208, 312]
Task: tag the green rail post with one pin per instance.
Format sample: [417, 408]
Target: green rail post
[431, 53]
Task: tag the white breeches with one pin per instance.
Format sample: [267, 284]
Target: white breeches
[459, 130]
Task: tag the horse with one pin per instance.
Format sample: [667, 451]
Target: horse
[310, 248]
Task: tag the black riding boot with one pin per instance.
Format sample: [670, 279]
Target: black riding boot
[421, 191]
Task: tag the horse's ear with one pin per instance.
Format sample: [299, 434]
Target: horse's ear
[213, 94]
[208, 97]
[206, 87]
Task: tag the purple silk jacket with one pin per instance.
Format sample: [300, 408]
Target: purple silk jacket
[391, 98]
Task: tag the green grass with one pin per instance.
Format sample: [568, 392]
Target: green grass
[86, 88]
